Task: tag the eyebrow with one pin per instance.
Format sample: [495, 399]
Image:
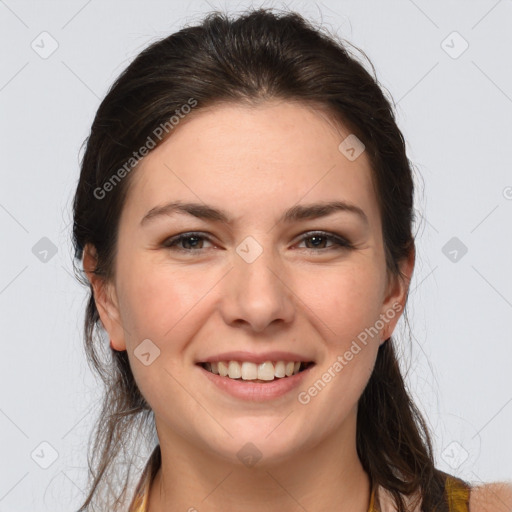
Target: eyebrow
[295, 213]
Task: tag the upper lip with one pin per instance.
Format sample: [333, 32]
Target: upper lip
[256, 358]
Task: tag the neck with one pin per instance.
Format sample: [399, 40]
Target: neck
[326, 477]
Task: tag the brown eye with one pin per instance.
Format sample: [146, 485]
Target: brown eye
[186, 242]
[319, 239]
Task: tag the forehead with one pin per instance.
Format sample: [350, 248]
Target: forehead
[245, 157]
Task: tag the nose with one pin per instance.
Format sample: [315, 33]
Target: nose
[258, 294]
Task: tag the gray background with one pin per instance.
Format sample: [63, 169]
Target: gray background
[455, 110]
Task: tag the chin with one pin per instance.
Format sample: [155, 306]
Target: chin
[257, 445]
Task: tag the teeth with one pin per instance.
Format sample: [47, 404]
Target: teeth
[279, 369]
[267, 371]
[234, 370]
[249, 370]
[223, 369]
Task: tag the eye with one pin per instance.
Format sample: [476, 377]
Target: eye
[194, 241]
[319, 238]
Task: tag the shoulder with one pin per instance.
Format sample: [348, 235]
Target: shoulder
[492, 497]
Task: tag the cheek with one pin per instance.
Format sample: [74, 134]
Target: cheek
[158, 303]
[155, 299]
[345, 301]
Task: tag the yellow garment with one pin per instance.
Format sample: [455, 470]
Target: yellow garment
[456, 492]
[456, 498]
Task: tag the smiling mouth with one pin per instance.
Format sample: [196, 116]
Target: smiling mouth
[252, 372]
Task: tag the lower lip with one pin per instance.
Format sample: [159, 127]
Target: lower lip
[256, 391]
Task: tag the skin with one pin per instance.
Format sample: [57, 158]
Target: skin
[493, 497]
[254, 162]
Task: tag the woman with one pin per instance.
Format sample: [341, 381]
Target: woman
[243, 217]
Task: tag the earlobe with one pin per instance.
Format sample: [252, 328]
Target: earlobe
[105, 299]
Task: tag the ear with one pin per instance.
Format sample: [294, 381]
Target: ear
[105, 298]
[396, 295]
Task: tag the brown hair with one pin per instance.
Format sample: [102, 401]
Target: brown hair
[258, 56]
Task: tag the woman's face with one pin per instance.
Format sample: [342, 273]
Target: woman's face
[260, 281]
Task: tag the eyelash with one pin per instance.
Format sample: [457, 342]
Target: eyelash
[342, 243]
